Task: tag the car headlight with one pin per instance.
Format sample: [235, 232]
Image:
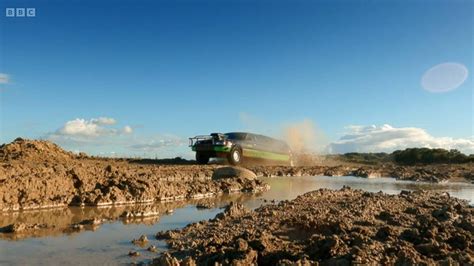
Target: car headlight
[223, 143]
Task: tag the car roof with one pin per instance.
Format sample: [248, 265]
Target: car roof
[257, 135]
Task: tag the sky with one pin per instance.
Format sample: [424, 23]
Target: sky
[137, 78]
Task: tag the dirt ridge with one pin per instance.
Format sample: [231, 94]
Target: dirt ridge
[332, 227]
[39, 174]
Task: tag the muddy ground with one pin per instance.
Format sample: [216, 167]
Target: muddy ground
[39, 174]
[429, 173]
[332, 227]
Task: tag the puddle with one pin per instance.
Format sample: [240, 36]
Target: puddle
[110, 242]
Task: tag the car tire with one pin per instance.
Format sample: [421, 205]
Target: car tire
[235, 156]
[202, 158]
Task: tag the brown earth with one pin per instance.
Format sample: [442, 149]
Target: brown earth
[332, 227]
[429, 173]
[39, 174]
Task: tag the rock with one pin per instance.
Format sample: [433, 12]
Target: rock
[428, 248]
[14, 228]
[233, 210]
[109, 168]
[133, 253]
[384, 233]
[248, 258]
[166, 235]
[141, 240]
[300, 262]
[233, 172]
[460, 241]
[22, 227]
[94, 221]
[205, 205]
[188, 262]
[165, 260]
[241, 244]
[411, 235]
[152, 248]
[442, 214]
[77, 227]
[367, 173]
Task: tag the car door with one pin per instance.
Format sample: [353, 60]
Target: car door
[249, 145]
[261, 146]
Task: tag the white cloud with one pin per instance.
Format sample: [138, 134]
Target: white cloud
[386, 138]
[104, 121]
[87, 128]
[92, 128]
[158, 144]
[81, 127]
[102, 136]
[4, 78]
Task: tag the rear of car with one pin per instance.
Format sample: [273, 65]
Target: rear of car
[237, 146]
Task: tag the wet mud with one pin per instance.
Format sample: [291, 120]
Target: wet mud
[39, 174]
[331, 227]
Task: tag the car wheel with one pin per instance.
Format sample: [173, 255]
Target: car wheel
[202, 158]
[235, 156]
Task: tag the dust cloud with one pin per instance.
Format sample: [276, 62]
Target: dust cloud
[303, 136]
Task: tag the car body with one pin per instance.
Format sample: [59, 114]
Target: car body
[239, 146]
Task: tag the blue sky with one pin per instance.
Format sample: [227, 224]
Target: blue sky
[173, 69]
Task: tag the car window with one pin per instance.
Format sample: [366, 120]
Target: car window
[236, 136]
[251, 138]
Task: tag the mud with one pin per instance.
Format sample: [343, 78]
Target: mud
[429, 173]
[331, 227]
[39, 174]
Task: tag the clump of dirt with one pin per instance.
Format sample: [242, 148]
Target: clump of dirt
[34, 151]
[340, 227]
[39, 174]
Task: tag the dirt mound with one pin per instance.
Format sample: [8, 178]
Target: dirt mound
[233, 172]
[330, 227]
[33, 151]
[39, 174]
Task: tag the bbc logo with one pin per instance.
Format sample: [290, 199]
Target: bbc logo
[20, 12]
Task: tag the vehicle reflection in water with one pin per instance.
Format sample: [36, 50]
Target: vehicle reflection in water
[110, 241]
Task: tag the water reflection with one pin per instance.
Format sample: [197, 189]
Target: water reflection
[73, 220]
[111, 240]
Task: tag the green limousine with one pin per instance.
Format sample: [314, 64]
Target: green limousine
[240, 146]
